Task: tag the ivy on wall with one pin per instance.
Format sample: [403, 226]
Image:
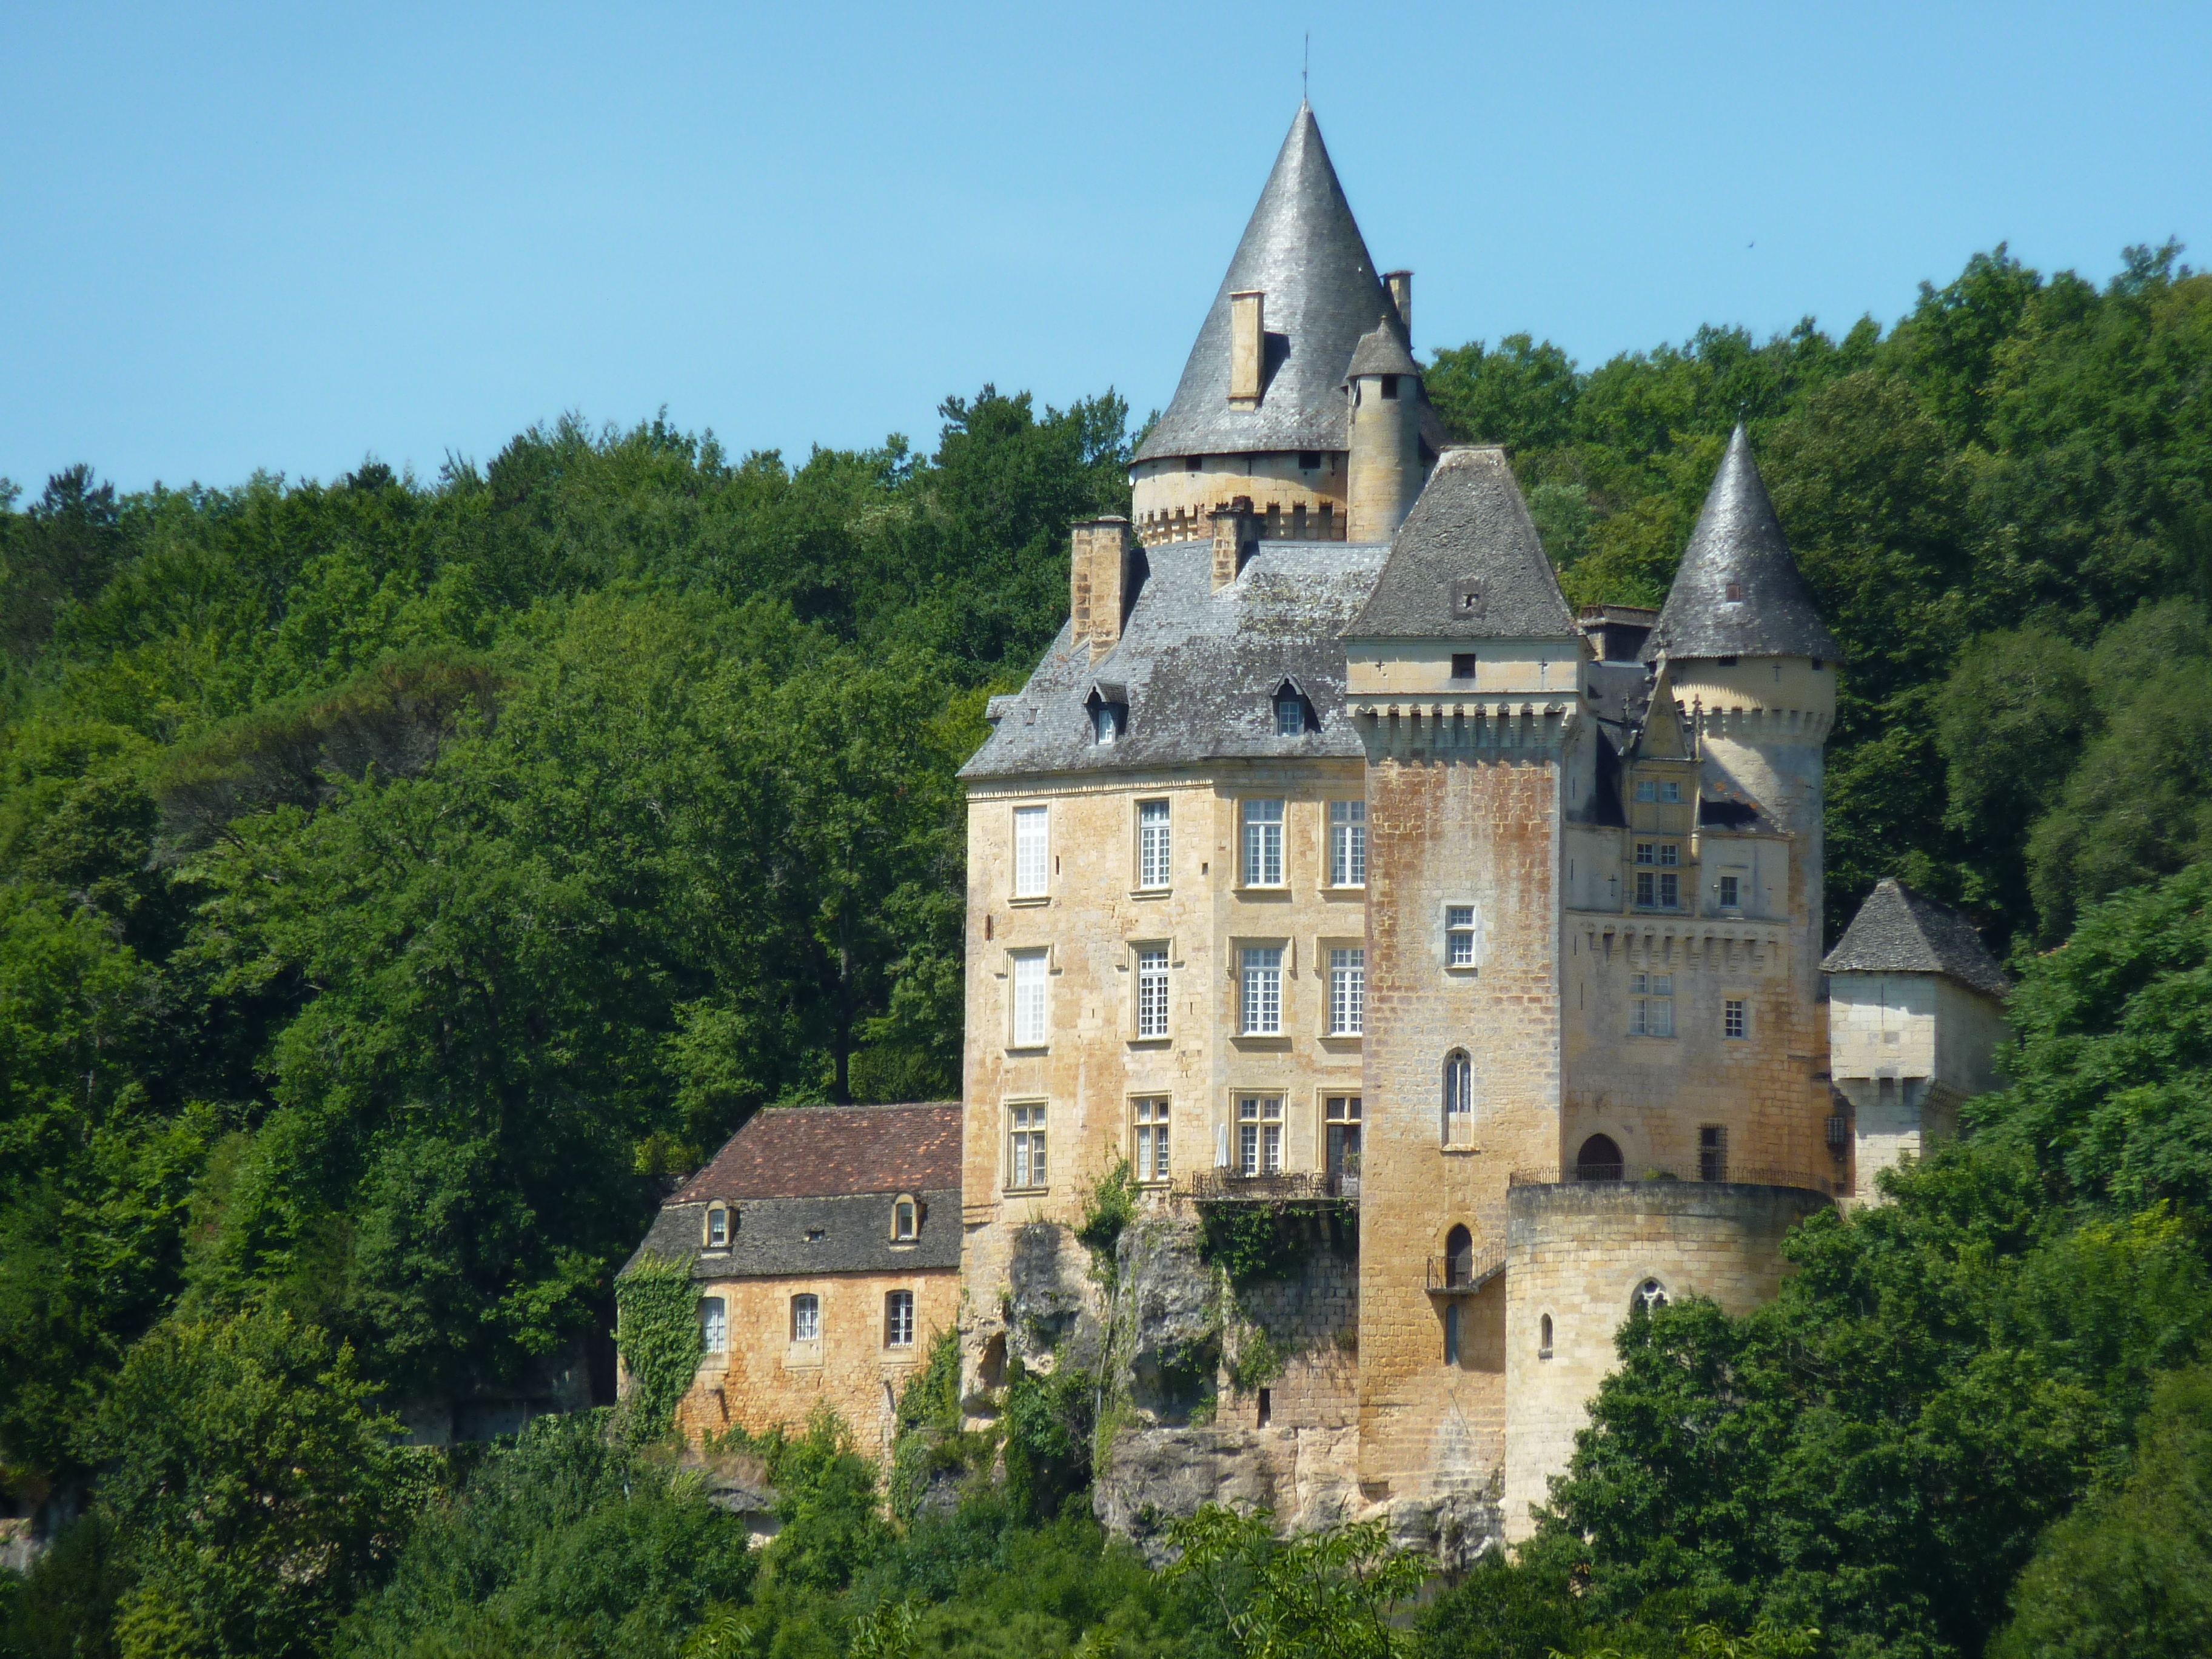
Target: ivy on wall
[657, 1332]
[1251, 1242]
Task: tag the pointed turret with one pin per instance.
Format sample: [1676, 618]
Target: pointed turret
[1260, 410]
[1738, 593]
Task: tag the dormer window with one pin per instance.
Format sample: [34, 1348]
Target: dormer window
[906, 1219]
[1735, 592]
[1109, 703]
[1290, 717]
[1104, 725]
[717, 1228]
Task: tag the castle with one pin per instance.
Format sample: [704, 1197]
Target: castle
[1513, 951]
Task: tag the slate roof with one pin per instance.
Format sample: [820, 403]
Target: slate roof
[1199, 668]
[1302, 249]
[1898, 930]
[1469, 536]
[1739, 540]
[794, 1237]
[826, 1151]
[1382, 351]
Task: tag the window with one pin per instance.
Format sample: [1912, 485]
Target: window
[1650, 1296]
[1347, 843]
[1263, 991]
[1289, 714]
[1347, 993]
[1152, 990]
[1734, 1024]
[906, 1220]
[806, 1319]
[1670, 793]
[718, 1229]
[1459, 1099]
[1735, 592]
[1544, 1337]
[1389, 385]
[1659, 885]
[898, 1320]
[1263, 843]
[1309, 460]
[1260, 1135]
[1341, 1114]
[1030, 869]
[1029, 1000]
[1463, 664]
[1154, 843]
[1712, 1152]
[1151, 1126]
[1459, 936]
[1600, 1159]
[1731, 892]
[1651, 1005]
[1105, 721]
[1451, 1334]
[1026, 1145]
[715, 1324]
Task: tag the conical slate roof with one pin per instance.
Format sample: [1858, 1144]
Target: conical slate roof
[1466, 564]
[1382, 352]
[1303, 251]
[1898, 930]
[1738, 545]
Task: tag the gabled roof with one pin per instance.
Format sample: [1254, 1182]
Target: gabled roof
[1738, 543]
[1303, 251]
[828, 1151]
[1466, 563]
[1898, 930]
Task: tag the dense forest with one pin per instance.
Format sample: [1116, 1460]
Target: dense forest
[400, 878]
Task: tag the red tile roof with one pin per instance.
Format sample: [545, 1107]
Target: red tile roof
[828, 1152]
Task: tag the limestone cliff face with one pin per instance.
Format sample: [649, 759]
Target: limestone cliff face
[1214, 1393]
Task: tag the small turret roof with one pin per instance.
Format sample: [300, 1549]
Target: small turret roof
[1738, 543]
[1382, 352]
[1898, 930]
[1302, 249]
[1467, 562]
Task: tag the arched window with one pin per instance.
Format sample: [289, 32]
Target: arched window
[1458, 1099]
[1544, 1338]
[717, 1228]
[906, 1219]
[1459, 1258]
[1650, 1296]
[1599, 1160]
[1451, 1334]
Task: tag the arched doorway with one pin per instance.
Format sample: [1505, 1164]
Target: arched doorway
[1599, 1160]
[1459, 1258]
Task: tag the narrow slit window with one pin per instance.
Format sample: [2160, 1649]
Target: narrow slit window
[718, 1229]
[1544, 1338]
[1459, 1099]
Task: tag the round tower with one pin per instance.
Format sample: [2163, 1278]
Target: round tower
[1384, 468]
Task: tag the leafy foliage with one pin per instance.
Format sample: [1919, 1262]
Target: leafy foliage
[657, 1330]
[1328, 1594]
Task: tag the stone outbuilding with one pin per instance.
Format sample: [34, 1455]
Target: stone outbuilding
[825, 1244]
[1916, 1018]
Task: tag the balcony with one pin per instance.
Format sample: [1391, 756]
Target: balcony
[1464, 1278]
[1285, 1187]
[1729, 1173]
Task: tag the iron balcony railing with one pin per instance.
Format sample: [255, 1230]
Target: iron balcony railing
[1225, 1186]
[1465, 1277]
[1731, 1174]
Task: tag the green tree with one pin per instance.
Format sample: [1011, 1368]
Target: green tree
[1327, 1594]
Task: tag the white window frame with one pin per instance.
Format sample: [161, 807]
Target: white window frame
[1260, 990]
[1289, 714]
[806, 1317]
[718, 1227]
[1032, 852]
[1154, 845]
[898, 1319]
[1651, 1005]
[1151, 1152]
[906, 1219]
[1260, 836]
[1462, 934]
[1347, 843]
[1027, 1168]
[1258, 1134]
[1029, 998]
[1151, 1001]
[1347, 991]
[1736, 1011]
[1457, 1101]
[715, 1324]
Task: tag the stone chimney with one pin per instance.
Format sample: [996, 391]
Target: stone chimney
[1234, 536]
[1098, 581]
[1248, 348]
[1400, 284]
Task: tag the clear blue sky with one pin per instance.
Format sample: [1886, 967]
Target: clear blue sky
[288, 237]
